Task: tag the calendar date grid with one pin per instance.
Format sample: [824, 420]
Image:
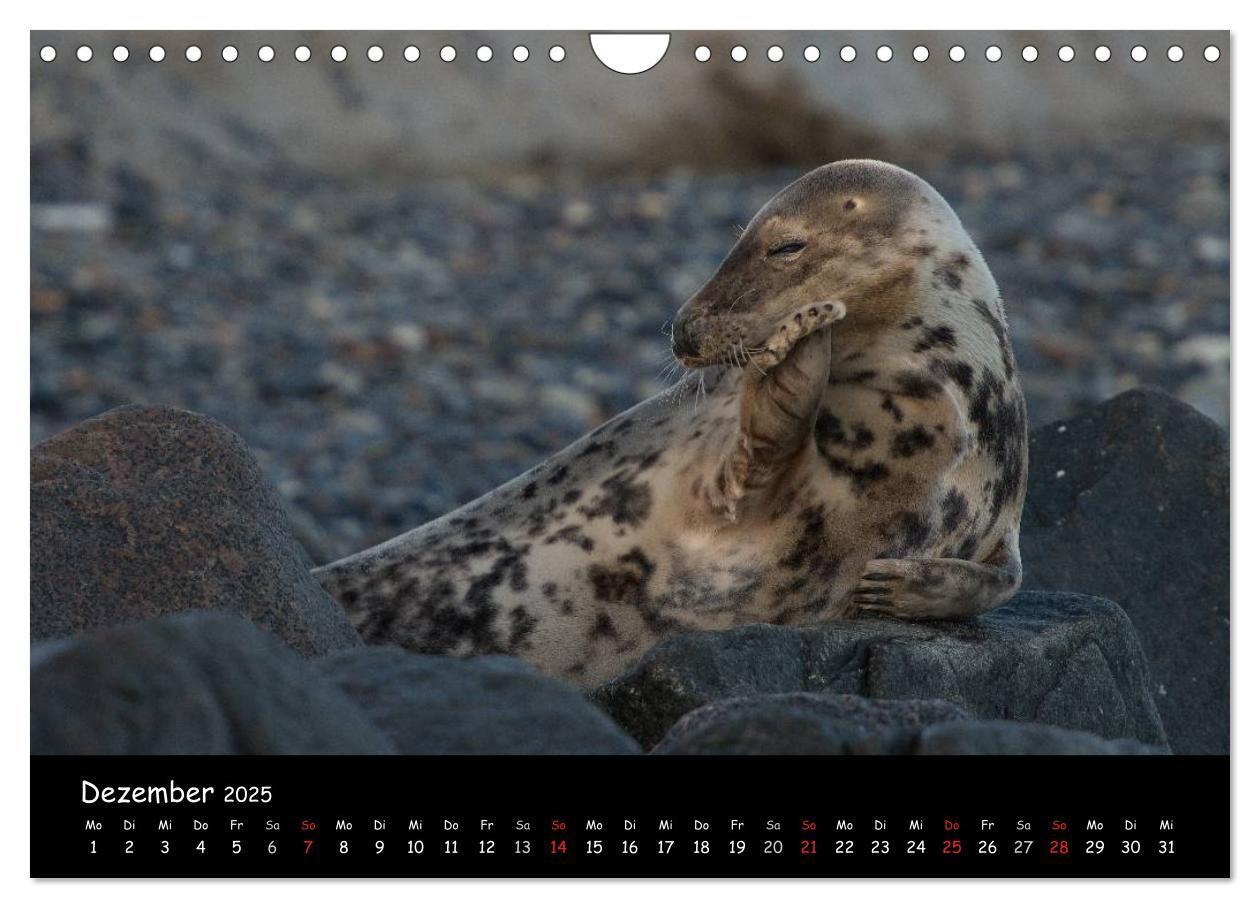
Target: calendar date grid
[578, 839]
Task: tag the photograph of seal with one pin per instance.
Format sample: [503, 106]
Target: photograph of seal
[850, 438]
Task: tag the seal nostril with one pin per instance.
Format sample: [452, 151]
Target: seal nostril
[683, 343]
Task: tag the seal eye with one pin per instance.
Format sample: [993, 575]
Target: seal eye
[787, 249]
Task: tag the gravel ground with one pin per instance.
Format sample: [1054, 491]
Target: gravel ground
[392, 353]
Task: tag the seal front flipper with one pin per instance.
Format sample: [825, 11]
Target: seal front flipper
[777, 407]
[938, 587]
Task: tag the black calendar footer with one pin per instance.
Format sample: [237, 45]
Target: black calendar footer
[445, 817]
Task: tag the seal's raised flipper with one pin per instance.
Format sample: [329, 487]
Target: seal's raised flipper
[777, 407]
[937, 587]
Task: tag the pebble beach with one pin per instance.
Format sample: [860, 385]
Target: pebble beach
[391, 352]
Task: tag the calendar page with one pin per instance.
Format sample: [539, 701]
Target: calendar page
[662, 454]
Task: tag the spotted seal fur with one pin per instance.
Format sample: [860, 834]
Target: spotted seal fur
[859, 445]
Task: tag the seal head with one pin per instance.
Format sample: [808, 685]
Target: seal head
[825, 242]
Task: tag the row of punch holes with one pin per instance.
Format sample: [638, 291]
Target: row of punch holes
[302, 53]
[702, 53]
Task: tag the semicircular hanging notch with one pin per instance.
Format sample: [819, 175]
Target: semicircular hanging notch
[629, 53]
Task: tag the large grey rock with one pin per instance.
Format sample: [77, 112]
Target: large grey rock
[145, 511]
[199, 683]
[804, 723]
[1049, 658]
[484, 705]
[1131, 501]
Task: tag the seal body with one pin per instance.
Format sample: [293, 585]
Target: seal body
[851, 438]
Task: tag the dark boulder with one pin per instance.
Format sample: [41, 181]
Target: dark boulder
[199, 683]
[1048, 658]
[804, 723]
[822, 724]
[1130, 501]
[484, 705]
[145, 511]
[994, 738]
